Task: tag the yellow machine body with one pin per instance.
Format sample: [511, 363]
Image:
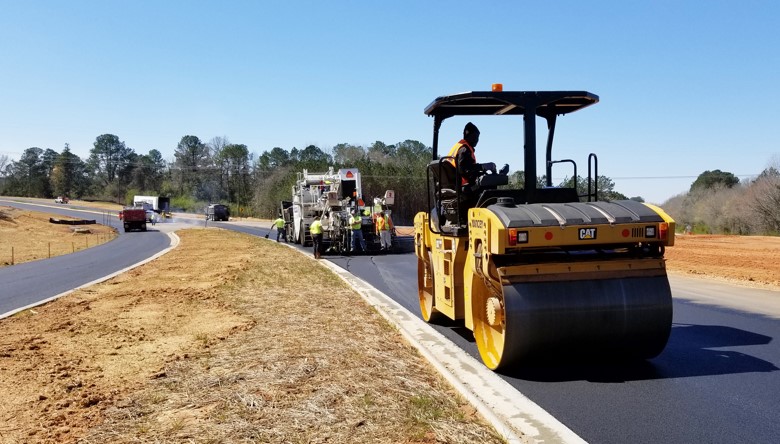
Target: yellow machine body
[533, 279]
[538, 269]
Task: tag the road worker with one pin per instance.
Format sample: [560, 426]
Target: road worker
[383, 227]
[280, 230]
[356, 225]
[316, 236]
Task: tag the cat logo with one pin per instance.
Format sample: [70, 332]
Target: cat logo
[587, 233]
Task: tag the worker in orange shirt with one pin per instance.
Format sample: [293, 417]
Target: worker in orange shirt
[383, 227]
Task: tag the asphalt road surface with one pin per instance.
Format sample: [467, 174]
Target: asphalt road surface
[30, 282]
[717, 381]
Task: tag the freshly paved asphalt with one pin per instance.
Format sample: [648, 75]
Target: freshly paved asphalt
[717, 381]
[27, 283]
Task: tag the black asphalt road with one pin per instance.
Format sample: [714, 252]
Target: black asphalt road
[717, 381]
[31, 282]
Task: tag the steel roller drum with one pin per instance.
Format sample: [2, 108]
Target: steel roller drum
[626, 317]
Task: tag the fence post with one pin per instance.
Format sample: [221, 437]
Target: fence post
[12, 255]
[73, 247]
[49, 250]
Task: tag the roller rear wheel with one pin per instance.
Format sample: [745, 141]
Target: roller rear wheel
[425, 290]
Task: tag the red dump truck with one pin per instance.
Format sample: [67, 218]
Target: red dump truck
[133, 218]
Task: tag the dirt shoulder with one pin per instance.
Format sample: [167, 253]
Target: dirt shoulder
[29, 235]
[752, 261]
[227, 338]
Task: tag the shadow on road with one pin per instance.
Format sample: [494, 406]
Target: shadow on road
[692, 350]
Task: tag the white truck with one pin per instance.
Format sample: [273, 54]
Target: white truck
[154, 203]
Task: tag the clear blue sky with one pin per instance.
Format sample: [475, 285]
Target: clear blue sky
[684, 86]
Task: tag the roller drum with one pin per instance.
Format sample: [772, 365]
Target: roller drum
[622, 317]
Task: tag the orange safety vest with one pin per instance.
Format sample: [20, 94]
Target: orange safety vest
[454, 153]
[381, 224]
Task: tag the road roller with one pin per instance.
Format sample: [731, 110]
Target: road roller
[538, 270]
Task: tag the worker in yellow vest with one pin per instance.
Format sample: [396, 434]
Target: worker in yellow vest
[382, 227]
[356, 226]
[316, 236]
[280, 231]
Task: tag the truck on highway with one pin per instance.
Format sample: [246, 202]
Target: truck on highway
[157, 204]
[134, 218]
[218, 212]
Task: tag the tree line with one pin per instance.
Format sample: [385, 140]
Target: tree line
[214, 172]
[719, 203]
[222, 172]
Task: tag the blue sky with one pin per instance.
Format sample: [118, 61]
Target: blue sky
[684, 87]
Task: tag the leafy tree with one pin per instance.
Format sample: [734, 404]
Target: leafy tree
[192, 161]
[380, 152]
[346, 154]
[148, 172]
[710, 179]
[28, 176]
[108, 158]
[276, 158]
[234, 161]
[68, 174]
[313, 157]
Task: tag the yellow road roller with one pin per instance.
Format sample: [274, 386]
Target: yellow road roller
[539, 270]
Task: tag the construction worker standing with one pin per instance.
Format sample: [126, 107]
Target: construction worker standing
[383, 230]
[280, 231]
[316, 236]
[356, 224]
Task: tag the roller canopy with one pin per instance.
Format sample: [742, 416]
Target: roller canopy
[480, 103]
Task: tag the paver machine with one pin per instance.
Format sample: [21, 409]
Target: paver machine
[540, 271]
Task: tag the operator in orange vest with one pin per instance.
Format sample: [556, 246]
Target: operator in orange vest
[462, 158]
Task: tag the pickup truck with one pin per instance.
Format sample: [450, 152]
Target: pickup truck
[61, 199]
[133, 218]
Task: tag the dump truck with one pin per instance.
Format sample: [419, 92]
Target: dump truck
[217, 212]
[133, 218]
[539, 270]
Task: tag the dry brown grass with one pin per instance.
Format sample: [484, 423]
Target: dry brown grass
[28, 235]
[257, 343]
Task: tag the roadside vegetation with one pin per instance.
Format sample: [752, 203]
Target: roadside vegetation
[719, 203]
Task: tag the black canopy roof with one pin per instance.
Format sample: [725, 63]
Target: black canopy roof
[476, 103]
